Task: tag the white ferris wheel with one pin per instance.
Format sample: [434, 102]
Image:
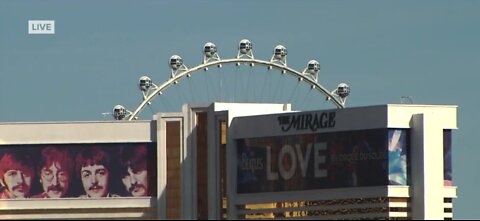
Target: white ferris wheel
[211, 58]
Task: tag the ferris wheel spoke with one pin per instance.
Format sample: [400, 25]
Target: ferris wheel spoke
[191, 90]
[235, 81]
[265, 84]
[293, 92]
[221, 91]
[306, 97]
[281, 89]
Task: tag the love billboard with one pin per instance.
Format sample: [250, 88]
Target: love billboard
[361, 158]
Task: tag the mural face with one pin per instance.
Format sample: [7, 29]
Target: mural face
[326, 160]
[55, 180]
[136, 182]
[17, 183]
[79, 170]
[95, 180]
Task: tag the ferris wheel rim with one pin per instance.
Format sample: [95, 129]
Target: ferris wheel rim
[175, 78]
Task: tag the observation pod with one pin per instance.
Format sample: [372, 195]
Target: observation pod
[280, 52]
[245, 46]
[144, 83]
[209, 49]
[313, 67]
[119, 112]
[176, 62]
[343, 90]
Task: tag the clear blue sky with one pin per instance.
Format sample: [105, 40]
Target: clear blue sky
[429, 50]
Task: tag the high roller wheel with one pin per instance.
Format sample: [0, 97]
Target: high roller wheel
[180, 71]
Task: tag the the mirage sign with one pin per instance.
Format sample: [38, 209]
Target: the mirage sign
[326, 160]
[307, 121]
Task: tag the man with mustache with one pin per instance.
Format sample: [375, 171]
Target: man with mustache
[133, 162]
[93, 163]
[55, 167]
[16, 173]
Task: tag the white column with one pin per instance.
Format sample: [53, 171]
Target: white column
[213, 166]
[232, 210]
[427, 167]
[161, 168]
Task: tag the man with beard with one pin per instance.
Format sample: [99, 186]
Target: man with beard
[93, 163]
[55, 167]
[16, 173]
[133, 162]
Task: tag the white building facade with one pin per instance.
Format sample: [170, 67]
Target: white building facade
[241, 161]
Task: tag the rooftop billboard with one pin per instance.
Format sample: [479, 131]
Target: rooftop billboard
[375, 157]
[78, 170]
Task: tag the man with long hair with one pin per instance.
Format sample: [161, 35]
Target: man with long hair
[135, 174]
[55, 168]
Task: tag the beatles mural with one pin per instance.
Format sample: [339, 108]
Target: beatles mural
[78, 171]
